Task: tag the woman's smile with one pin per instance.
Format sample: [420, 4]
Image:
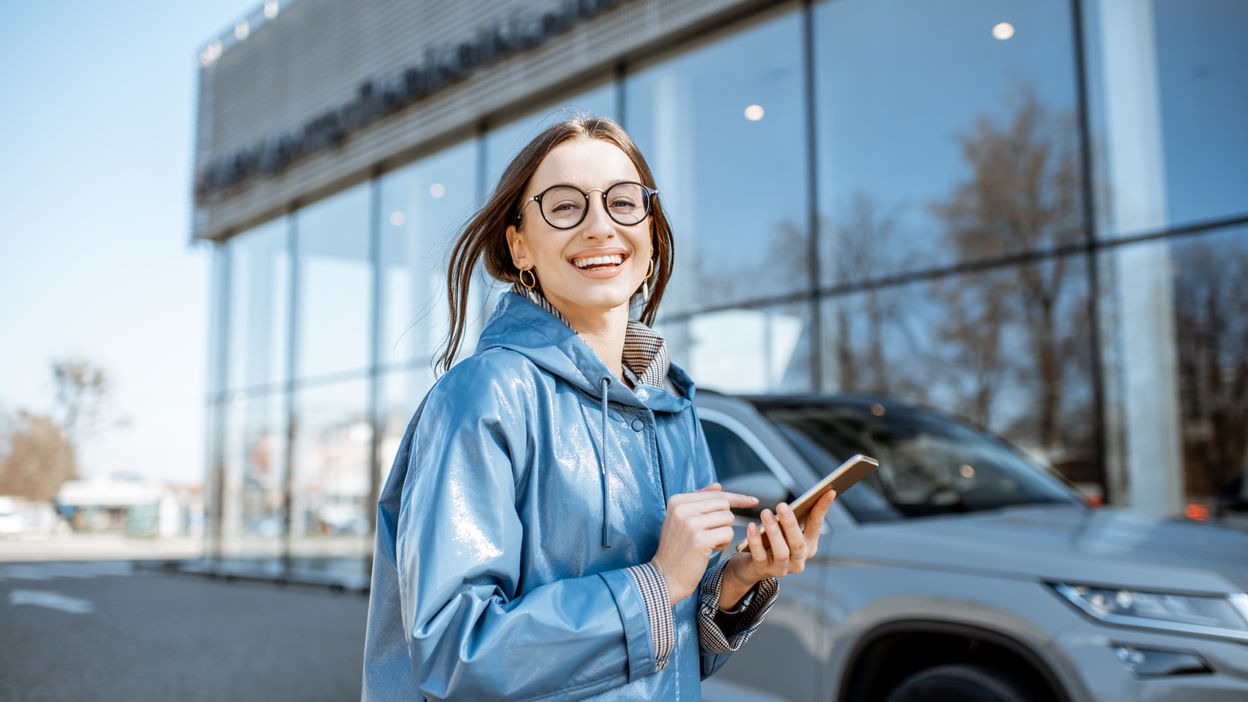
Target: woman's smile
[599, 263]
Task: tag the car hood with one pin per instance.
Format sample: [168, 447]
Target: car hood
[1060, 543]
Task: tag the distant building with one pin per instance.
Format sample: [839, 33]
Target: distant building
[1033, 214]
[132, 506]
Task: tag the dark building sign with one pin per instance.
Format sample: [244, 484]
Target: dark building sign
[375, 100]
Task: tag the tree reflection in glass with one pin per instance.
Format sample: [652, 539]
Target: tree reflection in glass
[1211, 337]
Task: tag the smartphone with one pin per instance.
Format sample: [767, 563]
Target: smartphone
[841, 479]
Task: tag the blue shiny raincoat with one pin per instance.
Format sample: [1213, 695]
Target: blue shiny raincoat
[491, 579]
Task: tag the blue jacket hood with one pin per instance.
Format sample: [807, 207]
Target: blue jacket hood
[519, 325]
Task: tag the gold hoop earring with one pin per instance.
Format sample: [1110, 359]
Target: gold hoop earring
[532, 278]
[650, 272]
[645, 282]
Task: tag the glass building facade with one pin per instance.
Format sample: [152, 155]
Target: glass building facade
[1032, 215]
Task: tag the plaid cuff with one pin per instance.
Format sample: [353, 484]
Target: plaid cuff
[739, 625]
[654, 593]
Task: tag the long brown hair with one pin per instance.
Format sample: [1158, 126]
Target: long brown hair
[485, 236]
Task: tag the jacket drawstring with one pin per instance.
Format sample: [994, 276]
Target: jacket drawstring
[602, 463]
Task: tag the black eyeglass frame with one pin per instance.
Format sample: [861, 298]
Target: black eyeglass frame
[646, 195]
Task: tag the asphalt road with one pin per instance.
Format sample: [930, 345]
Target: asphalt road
[106, 631]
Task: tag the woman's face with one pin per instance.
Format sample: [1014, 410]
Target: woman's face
[559, 257]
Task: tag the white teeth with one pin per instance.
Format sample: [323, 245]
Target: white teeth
[612, 260]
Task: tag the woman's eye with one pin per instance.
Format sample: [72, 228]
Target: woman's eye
[621, 203]
[565, 207]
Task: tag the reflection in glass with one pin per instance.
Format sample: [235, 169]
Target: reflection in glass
[1169, 105]
[401, 393]
[255, 456]
[259, 306]
[423, 207]
[735, 189]
[1008, 349]
[334, 285]
[329, 520]
[1211, 340]
[1202, 59]
[922, 162]
[745, 350]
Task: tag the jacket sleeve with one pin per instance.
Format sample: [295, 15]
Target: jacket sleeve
[470, 632]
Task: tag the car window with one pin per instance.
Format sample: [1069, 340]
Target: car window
[730, 454]
[929, 464]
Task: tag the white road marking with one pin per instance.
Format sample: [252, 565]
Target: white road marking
[51, 600]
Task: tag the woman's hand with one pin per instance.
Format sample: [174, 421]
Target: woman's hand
[787, 547]
[697, 525]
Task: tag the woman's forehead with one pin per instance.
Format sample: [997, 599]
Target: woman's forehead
[585, 163]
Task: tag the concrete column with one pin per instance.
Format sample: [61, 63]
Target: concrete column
[1135, 166]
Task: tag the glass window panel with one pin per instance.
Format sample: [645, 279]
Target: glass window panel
[423, 208]
[209, 525]
[333, 308]
[946, 137]
[1008, 349]
[254, 473]
[259, 306]
[401, 394]
[1208, 321]
[732, 457]
[724, 130]
[504, 142]
[329, 530]
[1202, 56]
[1169, 89]
[218, 301]
[745, 350]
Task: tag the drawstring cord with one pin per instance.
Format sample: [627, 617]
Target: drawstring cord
[602, 463]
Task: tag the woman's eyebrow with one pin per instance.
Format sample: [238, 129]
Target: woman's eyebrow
[583, 189]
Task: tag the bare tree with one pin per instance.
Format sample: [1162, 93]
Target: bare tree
[1211, 334]
[1023, 196]
[865, 244]
[81, 393]
[39, 459]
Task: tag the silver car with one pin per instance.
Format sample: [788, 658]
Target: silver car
[962, 571]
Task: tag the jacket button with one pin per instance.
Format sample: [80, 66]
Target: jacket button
[638, 425]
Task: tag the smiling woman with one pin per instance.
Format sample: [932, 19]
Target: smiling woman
[559, 492]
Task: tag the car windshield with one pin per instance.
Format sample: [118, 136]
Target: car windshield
[929, 465]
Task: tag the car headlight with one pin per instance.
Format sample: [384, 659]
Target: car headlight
[1224, 616]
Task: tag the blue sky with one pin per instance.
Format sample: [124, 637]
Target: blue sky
[95, 152]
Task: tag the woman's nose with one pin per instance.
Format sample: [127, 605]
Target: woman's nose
[598, 224]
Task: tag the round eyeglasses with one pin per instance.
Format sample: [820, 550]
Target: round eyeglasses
[564, 206]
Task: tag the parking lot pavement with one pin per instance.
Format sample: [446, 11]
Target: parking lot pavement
[95, 547]
[107, 630]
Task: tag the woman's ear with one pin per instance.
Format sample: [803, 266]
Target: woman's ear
[515, 242]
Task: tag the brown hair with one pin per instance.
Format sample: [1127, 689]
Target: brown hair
[485, 236]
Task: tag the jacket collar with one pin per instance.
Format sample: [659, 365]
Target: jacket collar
[529, 325]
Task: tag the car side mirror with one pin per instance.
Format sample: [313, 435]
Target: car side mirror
[764, 486]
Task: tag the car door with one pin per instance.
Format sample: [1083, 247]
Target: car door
[780, 660]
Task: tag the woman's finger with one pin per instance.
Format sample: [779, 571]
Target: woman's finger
[792, 532]
[775, 537]
[758, 552]
[814, 520]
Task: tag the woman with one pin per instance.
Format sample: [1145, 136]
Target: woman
[547, 527]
